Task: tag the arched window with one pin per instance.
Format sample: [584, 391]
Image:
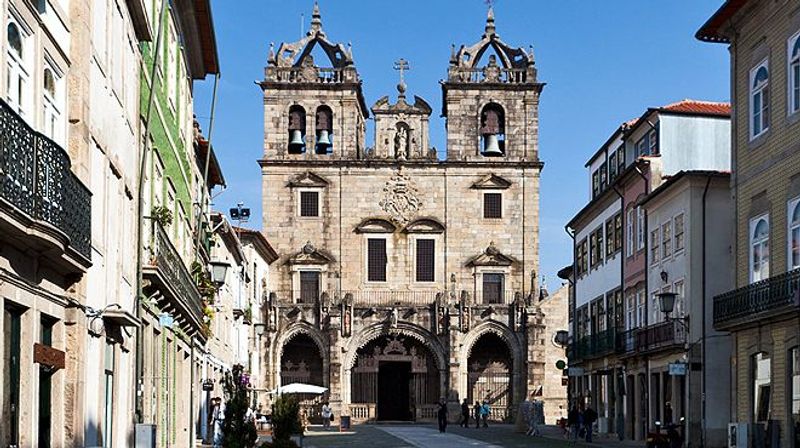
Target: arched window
[51, 108]
[794, 234]
[794, 73]
[15, 39]
[297, 130]
[17, 71]
[759, 99]
[493, 130]
[324, 128]
[759, 249]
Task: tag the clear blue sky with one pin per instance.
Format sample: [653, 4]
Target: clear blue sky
[604, 62]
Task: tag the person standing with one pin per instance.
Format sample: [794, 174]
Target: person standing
[441, 415]
[464, 414]
[217, 418]
[485, 413]
[477, 411]
[572, 422]
[327, 416]
[589, 417]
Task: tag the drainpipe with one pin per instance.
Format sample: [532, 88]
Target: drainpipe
[139, 380]
[703, 378]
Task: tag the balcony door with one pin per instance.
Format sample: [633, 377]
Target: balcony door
[309, 286]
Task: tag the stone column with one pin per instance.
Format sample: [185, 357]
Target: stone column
[335, 374]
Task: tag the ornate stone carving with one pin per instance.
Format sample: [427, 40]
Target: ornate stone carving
[400, 199]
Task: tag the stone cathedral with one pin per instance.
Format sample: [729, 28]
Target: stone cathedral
[405, 278]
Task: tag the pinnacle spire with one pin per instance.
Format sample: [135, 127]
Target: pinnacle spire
[490, 28]
[316, 18]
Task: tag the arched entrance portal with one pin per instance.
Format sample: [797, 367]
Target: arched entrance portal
[397, 376]
[301, 361]
[490, 375]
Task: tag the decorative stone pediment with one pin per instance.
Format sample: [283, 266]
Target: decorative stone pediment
[375, 225]
[383, 106]
[424, 225]
[309, 180]
[491, 182]
[310, 255]
[491, 257]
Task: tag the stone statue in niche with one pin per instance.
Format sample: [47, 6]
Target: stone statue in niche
[394, 316]
[401, 142]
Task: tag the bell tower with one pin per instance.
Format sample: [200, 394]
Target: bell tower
[491, 101]
[313, 109]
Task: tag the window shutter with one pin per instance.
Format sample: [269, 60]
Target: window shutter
[425, 260]
[376, 260]
[492, 205]
[309, 203]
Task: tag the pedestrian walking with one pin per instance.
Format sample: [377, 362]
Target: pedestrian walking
[441, 415]
[589, 417]
[464, 414]
[327, 416]
[476, 410]
[572, 422]
[485, 413]
[217, 418]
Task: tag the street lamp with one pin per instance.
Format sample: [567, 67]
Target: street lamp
[260, 328]
[666, 302]
[219, 270]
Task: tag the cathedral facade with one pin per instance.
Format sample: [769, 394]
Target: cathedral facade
[403, 278]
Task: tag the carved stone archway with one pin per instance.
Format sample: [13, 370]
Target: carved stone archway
[314, 335]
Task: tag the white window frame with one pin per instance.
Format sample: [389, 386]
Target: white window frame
[791, 228]
[630, 232]
[18, 90]
[172, 65]
[761, 91]
[666, 244]
[763, 243]
[641, 317]
[679, 287]
[793, 74]
[377, 236]
[53, 105]
[655, 246]
[299, 193]
[630, 312]
[675, 249]
[640, 220]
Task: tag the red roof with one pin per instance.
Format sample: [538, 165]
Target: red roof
[688, 106]
[713, 29]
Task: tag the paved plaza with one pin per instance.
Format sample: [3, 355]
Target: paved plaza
[428, 436]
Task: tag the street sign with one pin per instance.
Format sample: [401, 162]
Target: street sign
[208, 385]
[575, 371]
[677, 368]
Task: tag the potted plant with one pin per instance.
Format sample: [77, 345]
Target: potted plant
[161, 215]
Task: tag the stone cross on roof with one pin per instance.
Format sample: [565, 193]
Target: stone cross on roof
[402, 65]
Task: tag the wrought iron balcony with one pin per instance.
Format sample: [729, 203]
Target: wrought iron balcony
[760, 300]
[660, 336]
[36, 179]
[594, 346]
[171, 283]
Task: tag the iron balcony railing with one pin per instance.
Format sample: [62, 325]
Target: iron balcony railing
[166, 266]
[651, 338]
[595, 345]
[758, 300]
[35, 177]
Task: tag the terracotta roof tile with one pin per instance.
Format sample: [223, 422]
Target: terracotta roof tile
[689, 106]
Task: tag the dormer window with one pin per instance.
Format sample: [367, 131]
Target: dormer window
[324, 128]
[297, 130]
[493, 131]
[759, 99]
